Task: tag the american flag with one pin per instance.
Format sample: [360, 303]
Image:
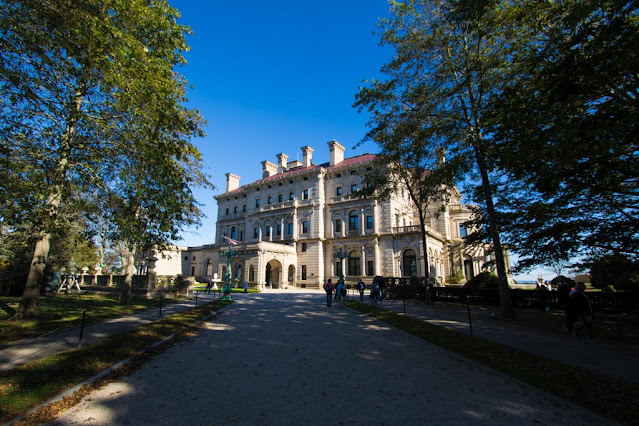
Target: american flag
[230, 240]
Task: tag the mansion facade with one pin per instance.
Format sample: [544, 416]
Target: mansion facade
[303, 223]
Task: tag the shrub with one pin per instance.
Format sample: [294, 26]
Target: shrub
[609, 288]
[615, 270]
[484, 280]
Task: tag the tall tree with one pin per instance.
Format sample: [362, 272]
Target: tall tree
[567, 133]
[449, 60]
[74, 74]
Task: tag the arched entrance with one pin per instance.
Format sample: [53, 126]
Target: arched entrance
[273, 274]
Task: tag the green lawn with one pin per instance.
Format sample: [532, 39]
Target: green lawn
[612, 398]
[64, 311]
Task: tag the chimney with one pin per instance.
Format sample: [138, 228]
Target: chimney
[281, 160]
[337, 152]
[232, 182]
[308, 154]
[268, 169]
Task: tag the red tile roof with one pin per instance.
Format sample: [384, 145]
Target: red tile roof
[348, 162]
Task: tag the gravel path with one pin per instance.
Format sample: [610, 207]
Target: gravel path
[286, 359]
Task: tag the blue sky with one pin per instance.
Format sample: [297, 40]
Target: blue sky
[271, 77]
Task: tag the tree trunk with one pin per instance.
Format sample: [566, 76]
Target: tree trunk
[28, 308]
[505, 302]
[125, 299]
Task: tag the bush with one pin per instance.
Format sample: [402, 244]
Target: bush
[609, 288]
[615, 270]
[484, 280]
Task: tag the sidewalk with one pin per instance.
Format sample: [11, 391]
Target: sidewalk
[607, 357]
[25, 351]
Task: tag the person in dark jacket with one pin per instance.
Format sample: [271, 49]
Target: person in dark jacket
[580, 311]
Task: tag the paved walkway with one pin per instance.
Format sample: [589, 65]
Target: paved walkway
[29, 350]
[284, 358]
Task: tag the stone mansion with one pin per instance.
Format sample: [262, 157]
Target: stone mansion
[303, 223]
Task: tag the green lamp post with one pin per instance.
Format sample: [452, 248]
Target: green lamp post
[226, 290]
[341, 256]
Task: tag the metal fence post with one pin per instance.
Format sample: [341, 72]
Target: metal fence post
[84, 313]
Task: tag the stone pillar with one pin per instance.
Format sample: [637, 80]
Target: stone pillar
[363, 271]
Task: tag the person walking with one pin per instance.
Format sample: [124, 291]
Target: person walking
[245, 287]
[361, 287]
[375, 290]
[382, 288]
[329, 288]
[340, 292]
[209, 284]
[580, 311]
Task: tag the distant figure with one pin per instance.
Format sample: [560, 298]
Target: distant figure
[382, 288]
[340, 293]
[544, 297]
[245, 287]
[375, 290]
[329, 288]
[209, 284]
[580, 310]
[361, 287]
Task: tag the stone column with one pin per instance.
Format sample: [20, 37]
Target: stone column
[362, 222]
[363, 266]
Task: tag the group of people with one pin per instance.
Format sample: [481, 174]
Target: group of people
[338, 292]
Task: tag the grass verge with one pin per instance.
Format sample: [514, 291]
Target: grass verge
[612, 398]
[28, 386]
[65, 311]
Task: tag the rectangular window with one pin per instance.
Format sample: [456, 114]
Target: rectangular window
[370, 271]
[241, 235]
[338, 225]
[305, 227]
[268, 231]
[227, 211]
[289, 231]
[462, 230]
[278, 230]
[235, 209]
[353, 222]
[353, 188]
[257, 203]
[304, 247]
[305, 194]
[338, 268]
[303, 272]
[256, 232]
[280, 197]
[291, 196]
[269, 200]
[244, 208]
[338, 191]
[369, 222]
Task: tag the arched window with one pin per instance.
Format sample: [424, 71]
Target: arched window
[407, 260]
[353, 221]
[233, 233]
[251, 274]
[291, 273]
[354, 263]
[209, 267]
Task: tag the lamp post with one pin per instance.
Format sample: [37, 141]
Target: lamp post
[226, 290]
[341, 256]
